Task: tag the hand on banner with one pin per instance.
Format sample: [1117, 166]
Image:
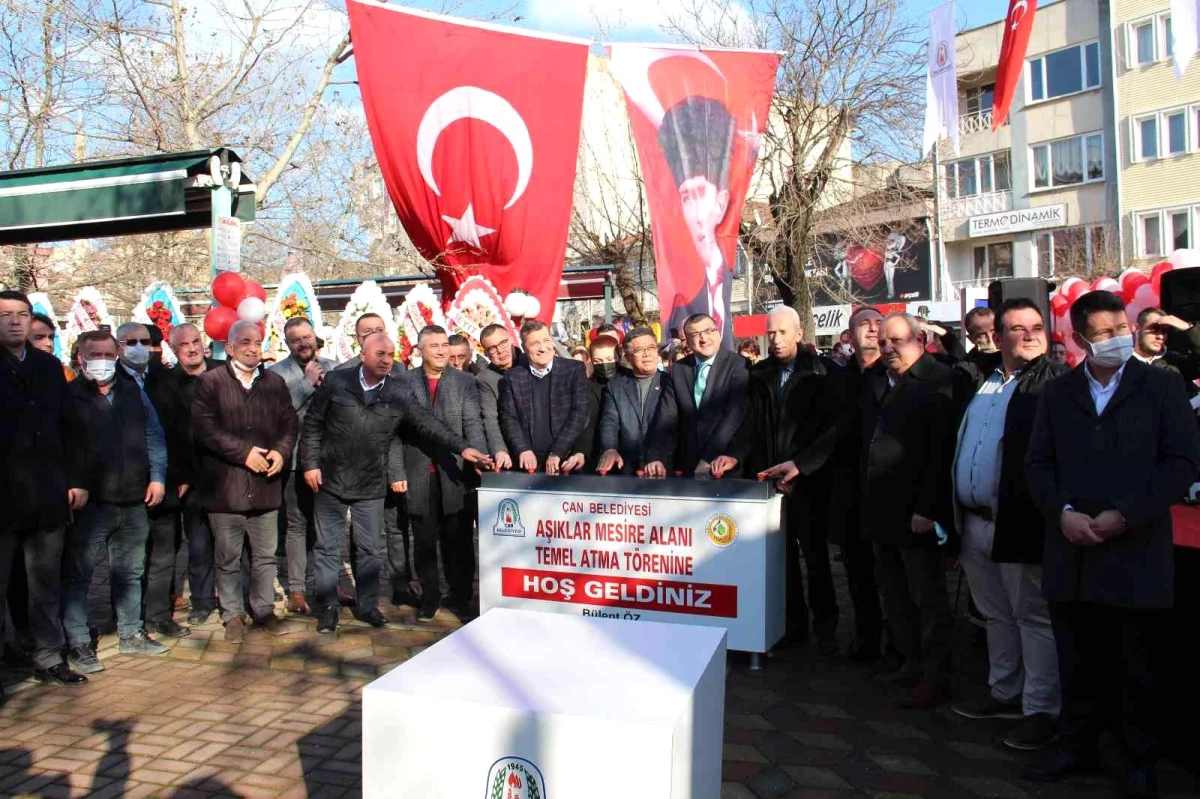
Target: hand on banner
[477, 458]
[400, 487]
[155, 492]
[527, 461]
[921, 525]
[573, 463]
[1077, 528]
[274, 463]
[503, 460]
[656, 469]
[312, 478]
[552, 463]
[783, 474]
[723, 464]
[256, 461]
[608, 460]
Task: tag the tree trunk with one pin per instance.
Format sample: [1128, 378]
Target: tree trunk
[628, 291]
[23, 270]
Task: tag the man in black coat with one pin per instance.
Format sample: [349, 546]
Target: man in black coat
[440, 484]
[907, 440]
[629, 404]
[43, 482]
[1114, 445]
[351, 452]
[1150, 345]
[544, 405]
[789, 406]
[1002, 529]
[702, 405]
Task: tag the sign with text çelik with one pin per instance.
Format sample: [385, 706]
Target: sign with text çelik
[831, 320]
[1017, 221]
[227, 241]
[682, 551]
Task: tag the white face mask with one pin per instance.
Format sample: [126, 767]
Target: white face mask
[100, 370]
[137, 354]
[241, 367]
[1111, 353]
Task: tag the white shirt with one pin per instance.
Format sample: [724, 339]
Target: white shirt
[1148, 361]
[247, 379]
[536, 372]
[1102, 394]
[362, 381]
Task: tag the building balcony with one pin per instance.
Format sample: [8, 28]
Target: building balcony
[994, 202]
[976, 122]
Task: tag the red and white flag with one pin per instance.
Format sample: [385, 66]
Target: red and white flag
[476, 130]
[1017, 27]
[698, 117]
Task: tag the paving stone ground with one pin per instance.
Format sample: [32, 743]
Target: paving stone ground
[280, 717]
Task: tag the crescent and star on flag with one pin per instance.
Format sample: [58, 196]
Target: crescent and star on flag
[471, 102]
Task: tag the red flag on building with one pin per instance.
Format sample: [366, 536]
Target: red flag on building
[698, 117]
[476, 130]
[1017, 27]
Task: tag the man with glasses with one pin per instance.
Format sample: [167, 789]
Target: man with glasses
[44, 481]
[628, 406]
[1150, 345]
[701, 407]
[501, 354]
[368, 325]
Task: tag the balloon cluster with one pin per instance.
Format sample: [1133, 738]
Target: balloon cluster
[521, 305]
[1138, 291]
[238, 299]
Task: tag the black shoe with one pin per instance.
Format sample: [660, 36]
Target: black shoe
[327, 619]
[405, 598]
[1140, 782]
[426, 613]
[1059, 765]
[197, 616]
[61, 674]
[1036, 731]
[167, 629]
[373, 617]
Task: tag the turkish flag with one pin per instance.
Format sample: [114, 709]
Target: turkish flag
[698, 118]
[1017, 27]
[476, 130]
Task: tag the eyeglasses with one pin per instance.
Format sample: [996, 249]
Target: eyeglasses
[644, 351]
[497, 348]
[133, 342]
[703, 333]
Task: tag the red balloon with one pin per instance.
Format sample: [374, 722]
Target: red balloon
[1132, 282]
[1058, 304]
[218, 321]
[255, 289]
[1160, 269]
[1076, 291]
[229, 289]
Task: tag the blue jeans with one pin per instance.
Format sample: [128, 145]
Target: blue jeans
[124, 529]
[366, 522]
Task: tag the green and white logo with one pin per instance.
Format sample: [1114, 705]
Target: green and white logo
[515, 778]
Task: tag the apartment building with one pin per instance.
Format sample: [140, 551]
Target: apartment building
[1040, 191]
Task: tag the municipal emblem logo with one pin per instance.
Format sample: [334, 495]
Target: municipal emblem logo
[942, 55]
[508, 520]
[721, 529]
[515, 778]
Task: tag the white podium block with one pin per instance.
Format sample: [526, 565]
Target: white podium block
[527, 705]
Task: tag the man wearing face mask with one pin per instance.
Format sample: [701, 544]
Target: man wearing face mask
[1114, 445]
[174, 415]
[127, 459]
[603, 354]
[303, 371]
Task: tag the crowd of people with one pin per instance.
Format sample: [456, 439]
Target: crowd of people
[1052, 486]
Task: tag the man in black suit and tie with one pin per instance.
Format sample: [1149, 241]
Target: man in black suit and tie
[440, 485]
[702, 405]
[1114, 445]
[908, 445]
[788, 407]
[544, 405]
[628, 406]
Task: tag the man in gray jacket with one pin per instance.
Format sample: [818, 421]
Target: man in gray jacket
[303, 370]
[438, 481]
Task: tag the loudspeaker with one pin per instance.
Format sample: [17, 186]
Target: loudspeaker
[1035, 289]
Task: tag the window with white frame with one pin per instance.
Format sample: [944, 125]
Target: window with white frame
[1160, 233]
[1063, 72]
[1068, 162]
[1163, 134]
[1148, 40]
[993, 261]
[981, 175]
[1149, 234]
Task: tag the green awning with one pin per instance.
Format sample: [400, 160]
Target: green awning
[121, 197]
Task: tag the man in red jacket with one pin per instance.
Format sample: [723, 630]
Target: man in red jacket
[245, 430]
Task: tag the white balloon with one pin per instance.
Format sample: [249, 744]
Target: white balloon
[532, 307]
[515, 304]
[251, 309]
[1184, 259]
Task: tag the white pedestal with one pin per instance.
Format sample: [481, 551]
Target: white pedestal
[544, 706]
